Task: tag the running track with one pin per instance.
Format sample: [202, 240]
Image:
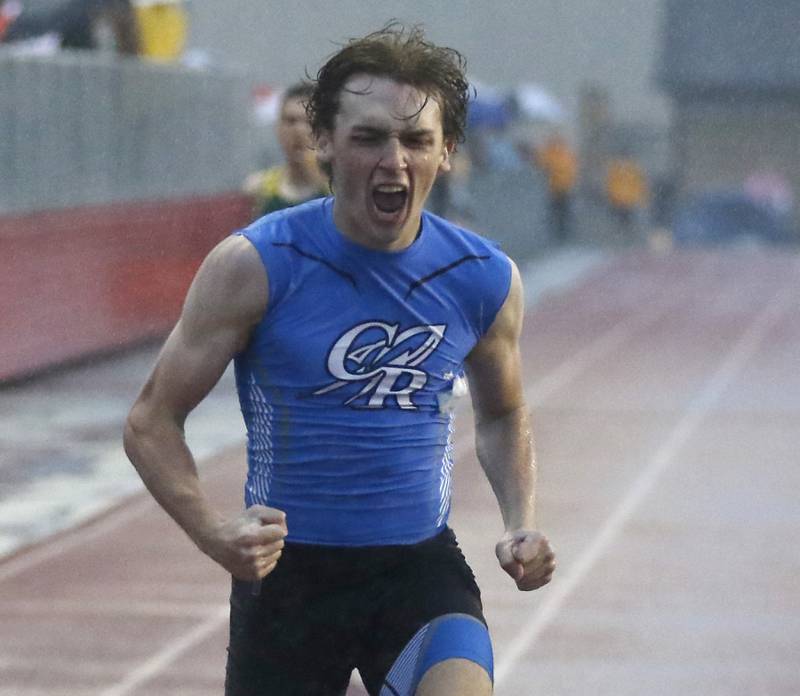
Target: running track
[665, 391]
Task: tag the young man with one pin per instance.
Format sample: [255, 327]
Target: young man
[349, 319]
[298, 179]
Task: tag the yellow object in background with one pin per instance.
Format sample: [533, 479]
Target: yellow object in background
[625, 184]
[162, 29]
[558, 161]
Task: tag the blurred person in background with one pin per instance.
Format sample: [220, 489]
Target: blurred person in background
[9, 11]
[559, 163]
[79, 24]
[769, 188]
[299, 178]
[627, 192]
[450, 196]
[349, 319]
[163, 27]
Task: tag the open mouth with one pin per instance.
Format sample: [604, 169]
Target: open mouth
[389, 198]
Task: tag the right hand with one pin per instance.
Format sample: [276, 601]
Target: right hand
[249, 545]
[527, 557]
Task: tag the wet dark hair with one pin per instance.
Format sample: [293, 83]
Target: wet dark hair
[403, 55]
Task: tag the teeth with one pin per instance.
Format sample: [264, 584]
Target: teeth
[390, 188]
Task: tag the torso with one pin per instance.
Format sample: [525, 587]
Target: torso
[345, 383]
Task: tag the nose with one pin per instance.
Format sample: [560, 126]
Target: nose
[393, 156]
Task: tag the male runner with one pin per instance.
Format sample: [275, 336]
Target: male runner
[298, 179]
[349, 319]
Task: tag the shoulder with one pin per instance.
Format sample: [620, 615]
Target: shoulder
[232, 257]
[478, 271]
[283, 224]
[480, 259]
[506, 326]
[230, 284]
[276, 232]
[463, 239]
[276, 239]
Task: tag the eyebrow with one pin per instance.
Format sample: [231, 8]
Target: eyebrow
[379, 130]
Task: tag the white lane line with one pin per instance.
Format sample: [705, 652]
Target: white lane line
[697, 409]
[105, 668]
[166, 656]
[107, 608]
[581, 360]
[563, 373]
[80, 537]
[559, 377]
[40, 510]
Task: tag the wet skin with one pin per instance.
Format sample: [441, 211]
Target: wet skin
[385, 150]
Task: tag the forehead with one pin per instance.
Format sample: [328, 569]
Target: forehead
[293, 106]
[383, 102]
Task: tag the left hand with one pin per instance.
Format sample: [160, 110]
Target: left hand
[527, 557]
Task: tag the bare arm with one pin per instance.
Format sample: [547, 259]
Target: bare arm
[226, 300]
[504, 442]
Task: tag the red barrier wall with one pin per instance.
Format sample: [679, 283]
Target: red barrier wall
[92, 279]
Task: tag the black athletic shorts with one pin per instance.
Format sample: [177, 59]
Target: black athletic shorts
[325, 611]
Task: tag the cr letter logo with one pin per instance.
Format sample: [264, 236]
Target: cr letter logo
[384, 359]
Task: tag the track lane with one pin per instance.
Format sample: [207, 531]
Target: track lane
[653, 604]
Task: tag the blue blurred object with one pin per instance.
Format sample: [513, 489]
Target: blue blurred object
[491, 111]
[728, 216]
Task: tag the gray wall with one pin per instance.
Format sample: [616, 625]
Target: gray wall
[558, 43]
[83, 127]
[510, 208]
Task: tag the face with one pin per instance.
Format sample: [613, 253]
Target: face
[294, 132]
[385, 151]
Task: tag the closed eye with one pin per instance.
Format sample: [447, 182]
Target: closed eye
[365, 139]
[418, 141]
[367, 136]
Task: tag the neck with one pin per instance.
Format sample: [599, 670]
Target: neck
[298, 174]
[375, 238]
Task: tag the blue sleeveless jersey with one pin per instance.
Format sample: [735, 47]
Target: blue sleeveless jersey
[344, 384]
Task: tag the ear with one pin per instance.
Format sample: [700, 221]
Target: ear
[324, 148]
[447, 150]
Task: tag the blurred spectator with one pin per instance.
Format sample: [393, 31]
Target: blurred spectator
[772, 190]
[559, 163]
[450, 196]
[626, 190]
[9, 11]
[299, 179]
[663, 199]
[501, 152]
[489, 119]
[729, 216]
[162, 28]
[80, 24]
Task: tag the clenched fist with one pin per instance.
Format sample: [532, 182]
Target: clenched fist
[527, 557]
[249, 546]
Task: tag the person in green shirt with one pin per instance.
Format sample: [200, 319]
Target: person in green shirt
[299, 178]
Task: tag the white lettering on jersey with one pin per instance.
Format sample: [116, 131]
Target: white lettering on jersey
[384, 359]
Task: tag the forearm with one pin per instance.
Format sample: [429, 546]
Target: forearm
[165, 464]
[506, 453]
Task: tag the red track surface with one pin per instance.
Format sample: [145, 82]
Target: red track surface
[666, 398]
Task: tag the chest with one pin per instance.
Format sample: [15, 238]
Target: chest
[367, 337]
